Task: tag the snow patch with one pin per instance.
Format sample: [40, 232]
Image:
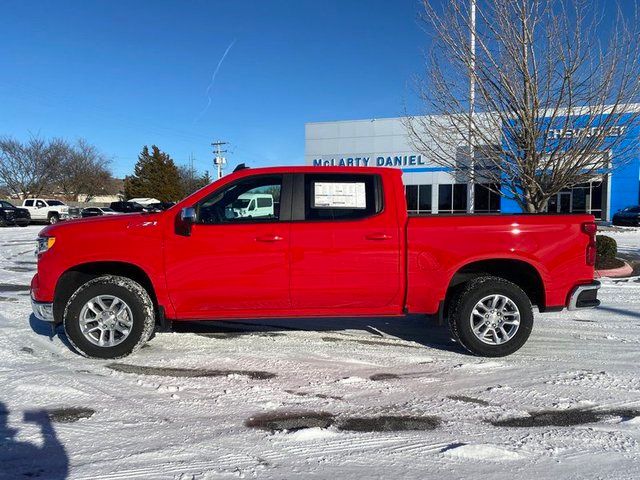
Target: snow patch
[309, 434]
[483, 452]
[482, 365]
[349, 380]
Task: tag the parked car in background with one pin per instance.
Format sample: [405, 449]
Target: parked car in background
[629, 216]
[159, 207]
[250, 205]
[42, 210]
[126, 207]
[97, 211]
[12, 215]
[145, 201]
[152, 204]
[338, 242]
[75, 212]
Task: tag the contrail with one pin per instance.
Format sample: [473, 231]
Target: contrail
[213, 79]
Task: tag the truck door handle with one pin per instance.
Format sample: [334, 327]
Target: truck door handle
[269, 238]
[378, 236]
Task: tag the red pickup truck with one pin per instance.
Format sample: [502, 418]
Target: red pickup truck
[309, 242]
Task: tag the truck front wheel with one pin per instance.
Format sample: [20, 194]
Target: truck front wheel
[109, 317]
[53, 218]
[491, 316]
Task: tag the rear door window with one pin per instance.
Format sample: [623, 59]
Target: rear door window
[342, 196]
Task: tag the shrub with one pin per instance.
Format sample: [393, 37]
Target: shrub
[606, 247]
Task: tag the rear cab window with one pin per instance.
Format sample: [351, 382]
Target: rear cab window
[342, 196]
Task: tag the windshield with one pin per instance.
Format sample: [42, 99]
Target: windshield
[241, 203]
[54, 203]
[6, 205]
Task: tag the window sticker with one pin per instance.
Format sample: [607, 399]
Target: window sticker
[339, 195]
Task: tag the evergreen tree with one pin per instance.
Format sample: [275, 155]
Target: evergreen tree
[155, 176]
[205, 179]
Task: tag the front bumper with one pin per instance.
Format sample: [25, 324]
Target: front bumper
[42, 310]
[584, 296]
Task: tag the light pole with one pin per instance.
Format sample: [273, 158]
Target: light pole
[472, 100]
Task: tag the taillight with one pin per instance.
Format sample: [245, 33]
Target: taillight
[590, 229]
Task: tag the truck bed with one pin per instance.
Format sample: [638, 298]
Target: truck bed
[439, 246]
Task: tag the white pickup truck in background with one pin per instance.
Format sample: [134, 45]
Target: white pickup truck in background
[50, 211]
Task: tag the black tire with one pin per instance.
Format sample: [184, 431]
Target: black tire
[464, 303]
[53, 219]
[133, 294]
[23, 224]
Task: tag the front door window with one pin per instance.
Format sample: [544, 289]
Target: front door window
[238, 202]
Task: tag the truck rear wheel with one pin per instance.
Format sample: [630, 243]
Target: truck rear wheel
[491, 317]
[109, 317]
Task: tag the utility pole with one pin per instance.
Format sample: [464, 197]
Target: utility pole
[472, 101]
[219, 161]
[191, 173]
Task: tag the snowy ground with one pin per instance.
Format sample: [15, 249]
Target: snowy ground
[517, 417]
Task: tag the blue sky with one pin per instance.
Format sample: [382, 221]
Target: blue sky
[123, 74]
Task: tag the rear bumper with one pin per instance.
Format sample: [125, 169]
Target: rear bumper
[42, 310]
[584, 296]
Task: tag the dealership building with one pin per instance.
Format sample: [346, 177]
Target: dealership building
[431, 188]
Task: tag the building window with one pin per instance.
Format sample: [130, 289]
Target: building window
[582, 198]
[486, 198]
[411, 192]
[418, 199]
[452, 198]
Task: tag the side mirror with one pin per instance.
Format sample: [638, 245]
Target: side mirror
[185, 221]
[188, 215]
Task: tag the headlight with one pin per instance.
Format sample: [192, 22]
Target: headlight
[44, 244]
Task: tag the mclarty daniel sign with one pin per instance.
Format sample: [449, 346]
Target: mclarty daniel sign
[379, 161]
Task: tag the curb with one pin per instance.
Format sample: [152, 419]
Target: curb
[625, 271]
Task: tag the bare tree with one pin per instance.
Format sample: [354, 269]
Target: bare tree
[84, 170]
[551, 97]
[30, 168]
[191, 179]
